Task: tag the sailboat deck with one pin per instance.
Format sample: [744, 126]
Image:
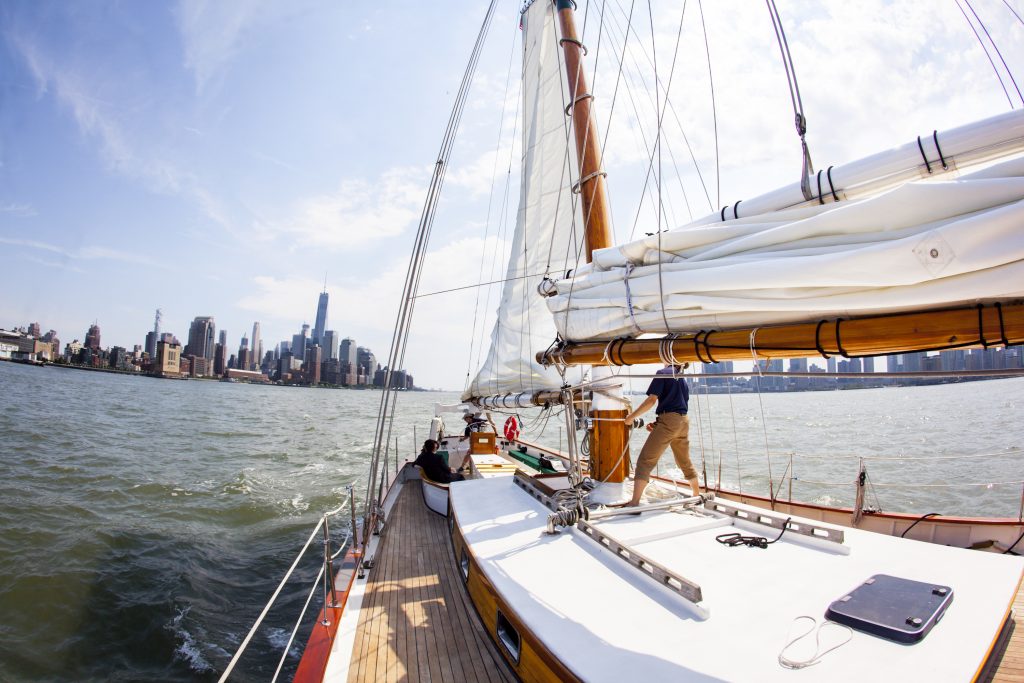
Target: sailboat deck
[1010, 663]
[417, 622]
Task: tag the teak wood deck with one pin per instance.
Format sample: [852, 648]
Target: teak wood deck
[417, 622]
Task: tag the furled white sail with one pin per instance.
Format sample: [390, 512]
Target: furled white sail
[547, 215]
[924, 244]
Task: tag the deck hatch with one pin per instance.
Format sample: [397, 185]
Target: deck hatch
[893, 608]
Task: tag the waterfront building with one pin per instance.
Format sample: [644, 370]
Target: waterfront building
[244, 355]
[320, 325]
[220, 359]
[33, 330]
[330, 372]
[367, 364]
[348, 353]
[201, 335]
[200, 367]
[8, 344]
[247, 376]
[168, 359]
[92, 337]
[312, 365]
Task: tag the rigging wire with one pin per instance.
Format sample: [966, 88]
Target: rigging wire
[995, 47]
[400, 337]
[984, 48]
[714, 111]
[679, 124]
[794, 96]
[634, 80]
[1013, 11]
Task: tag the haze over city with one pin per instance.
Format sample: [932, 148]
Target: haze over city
[220, 158]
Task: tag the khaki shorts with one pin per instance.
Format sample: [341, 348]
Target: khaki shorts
[670, 429]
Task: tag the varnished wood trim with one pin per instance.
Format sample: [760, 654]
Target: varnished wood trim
[321, 639]
[536, 662]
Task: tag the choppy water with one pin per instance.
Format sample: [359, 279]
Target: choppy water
[144, 523]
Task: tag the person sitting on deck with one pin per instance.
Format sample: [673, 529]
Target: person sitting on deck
[671, 428]
[434, 466]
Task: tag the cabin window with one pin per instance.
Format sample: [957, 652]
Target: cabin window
[464, 564]
[508, 636]
[451, 523]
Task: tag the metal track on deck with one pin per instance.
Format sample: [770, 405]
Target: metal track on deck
[417, 622]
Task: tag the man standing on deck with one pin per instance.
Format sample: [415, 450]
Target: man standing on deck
[671, 428]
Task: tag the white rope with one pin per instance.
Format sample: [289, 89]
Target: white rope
[266, 609]
[816, 629]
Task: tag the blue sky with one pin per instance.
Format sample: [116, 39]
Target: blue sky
[219, 158]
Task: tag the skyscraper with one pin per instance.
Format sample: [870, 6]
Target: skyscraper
[92, 337]
[349, 357]
[321, 318]
[201, 335]
[330, 344]
[257, 346]
[151, 342]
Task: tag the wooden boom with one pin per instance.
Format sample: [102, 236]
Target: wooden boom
[998, 324]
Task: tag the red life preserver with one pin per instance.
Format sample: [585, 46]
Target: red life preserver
[512, 428]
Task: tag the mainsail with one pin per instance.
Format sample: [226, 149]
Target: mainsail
[894, 246]
[548, 213]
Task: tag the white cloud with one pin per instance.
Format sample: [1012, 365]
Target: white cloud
[16, 209]
[211, 33]
[359, 212]
[79, 91]
[86, 253]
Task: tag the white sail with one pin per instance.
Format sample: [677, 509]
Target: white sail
[545, 221]
[922, 244]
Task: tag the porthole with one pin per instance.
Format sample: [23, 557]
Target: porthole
[464, 564]
[508, 636]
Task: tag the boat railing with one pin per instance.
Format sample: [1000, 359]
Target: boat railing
[324, 579]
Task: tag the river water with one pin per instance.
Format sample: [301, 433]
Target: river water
[144, 523]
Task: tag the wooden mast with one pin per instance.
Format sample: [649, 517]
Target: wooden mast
[591, 185]
[609, 450]
[976, 326]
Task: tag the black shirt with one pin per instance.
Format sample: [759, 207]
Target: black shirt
[673, 393]
[434, 467]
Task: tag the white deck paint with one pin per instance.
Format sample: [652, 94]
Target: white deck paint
[605, 622]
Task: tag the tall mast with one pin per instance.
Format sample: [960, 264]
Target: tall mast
[609, 448]
[596, 219]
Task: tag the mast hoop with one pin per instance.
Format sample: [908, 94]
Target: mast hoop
[839, 341]
[817, 339]
[577, 187]
[575, 42]
[579, 98]
[927, 164]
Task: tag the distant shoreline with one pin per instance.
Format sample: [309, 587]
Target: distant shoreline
[131, 373]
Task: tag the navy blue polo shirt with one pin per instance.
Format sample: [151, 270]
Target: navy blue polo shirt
[673, 394]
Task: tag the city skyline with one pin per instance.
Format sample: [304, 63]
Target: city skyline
[302, 360]
[165, 156]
